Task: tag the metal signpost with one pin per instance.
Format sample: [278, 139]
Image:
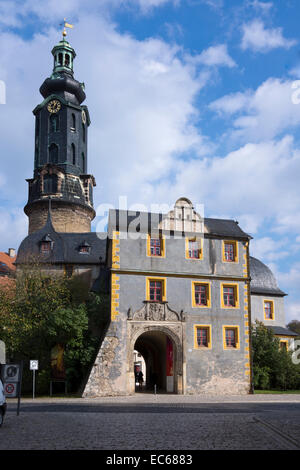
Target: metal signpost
[34, 365]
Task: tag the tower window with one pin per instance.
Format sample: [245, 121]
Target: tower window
[67, 60]
[54, 123]
[73, 150]
[83, 132]
[73, 126]
[50, 184]
[60, 58]
[83, 161]
[53, 153]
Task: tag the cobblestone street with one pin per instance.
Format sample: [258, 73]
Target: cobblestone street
[147, 422]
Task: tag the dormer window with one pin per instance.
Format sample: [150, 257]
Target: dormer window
[46, 245]
[85, 248]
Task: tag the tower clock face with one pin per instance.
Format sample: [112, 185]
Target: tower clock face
[54, 106]
[83, 117]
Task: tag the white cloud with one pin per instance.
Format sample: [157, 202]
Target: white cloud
[261, 114]
[259, 39]
[263, 7]
[216, 56]
[269, 249]
[12, 13]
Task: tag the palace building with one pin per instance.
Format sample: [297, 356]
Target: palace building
[183, 289]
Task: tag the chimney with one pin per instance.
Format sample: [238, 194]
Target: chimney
[11, 252]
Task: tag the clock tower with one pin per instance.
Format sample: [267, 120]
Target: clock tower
[60, 155]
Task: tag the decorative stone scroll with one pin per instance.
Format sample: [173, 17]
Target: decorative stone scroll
[156, 311]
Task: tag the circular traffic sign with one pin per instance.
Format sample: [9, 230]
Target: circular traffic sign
[9, 389]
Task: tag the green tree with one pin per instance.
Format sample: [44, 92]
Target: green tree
[272, 366]
[38, 311]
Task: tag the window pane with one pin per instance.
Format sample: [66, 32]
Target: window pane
[155, 246]
[268, 310]
[229, 297]
[230, 337]
[202, 337]
[155, 290]
[200, 294]
[194, 251]
[229, 251]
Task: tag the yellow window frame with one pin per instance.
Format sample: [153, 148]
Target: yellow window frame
[235, 249]
[284, 341]
[163, 281]
[236, 294]
[193, 239]
[162, 246]
[231, 327]
[209, 340]
[202, 283]
[272, 309]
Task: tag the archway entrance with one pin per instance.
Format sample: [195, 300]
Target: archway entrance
[159, 352]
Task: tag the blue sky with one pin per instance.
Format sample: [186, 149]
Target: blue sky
[187, 98]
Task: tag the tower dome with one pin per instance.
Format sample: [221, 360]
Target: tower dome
[263, 280]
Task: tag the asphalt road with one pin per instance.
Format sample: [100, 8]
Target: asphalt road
[181, 424]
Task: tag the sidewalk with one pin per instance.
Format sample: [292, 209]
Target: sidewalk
[170, 399]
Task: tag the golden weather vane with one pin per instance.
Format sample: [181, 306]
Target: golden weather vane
[65, 25]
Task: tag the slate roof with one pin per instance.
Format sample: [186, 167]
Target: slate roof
[262, 279]
[65, 248]
[122, 220]
[281, 331]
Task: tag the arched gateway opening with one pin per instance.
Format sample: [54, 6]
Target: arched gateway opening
[159, 353]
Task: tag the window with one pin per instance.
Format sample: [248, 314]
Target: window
[269, 309]
[53, 153]
[156, 246]
[231, 337]
[84, 248]
[83, 132]
[54, 123]
[73, 126]
[201, 294]
[284, 344]
[45, 247]
[156, 289]
[229, 296]
[50, 184]
[67, 60]
[202, 336]
[83, 162]
[193, 248]
[230, 252]
[73, 152]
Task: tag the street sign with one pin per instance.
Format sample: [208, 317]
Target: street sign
[10, 390]
[10, 373]
[11, 376]
[34, 365]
